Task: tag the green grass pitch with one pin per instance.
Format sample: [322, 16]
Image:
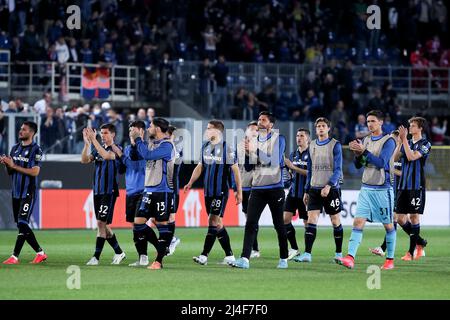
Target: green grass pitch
[181, 278]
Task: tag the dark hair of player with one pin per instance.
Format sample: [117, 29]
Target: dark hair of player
[171, 129]
[269, 115]
[138, 124]
[161, 123]
[217, 124]
[304, 130]
[109, 126]
[252, 123]
[322, 119]
[32, 125]
[421, 122]
[376, 113]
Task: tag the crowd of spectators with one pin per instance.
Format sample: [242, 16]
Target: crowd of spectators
[139, 32]
[61, 127]
[331, 35]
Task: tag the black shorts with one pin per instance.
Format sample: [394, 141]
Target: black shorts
[332, 203]
[156, 205]
[410, 201]
[293, 205]
[245, 196]
[23, 208]
[104, 207]
[132, 204]
[216, 205]
[176, 201]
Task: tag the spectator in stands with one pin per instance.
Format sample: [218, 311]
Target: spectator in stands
[63, 132]
[252, 107]
[330, 93]
[311, 107]
[165, 71]
[339, 119]
[205, 76]
[312, 82]
[73, 51]
[438, 132]
[210, 39]
[346, 83]
[41, 105]
[107, 56]
[141, 116]
[86, 53]
[49, 131]
[440, 12]
[313, 55]
[12, 107]
[240, 103]
[331, 68]
[146, 59]
[150, 115]
[98, 116]
[433, 49]
[31, 45]
[361, 129]
[220, 71]
[55, 31]
[375, 103]
[388, 126]
[363, 88]
[267, 98]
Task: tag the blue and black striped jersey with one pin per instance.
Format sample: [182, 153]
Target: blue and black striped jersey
[105, 175]
[413, 174]
[217, 161]
[26, 157]
[300, 160]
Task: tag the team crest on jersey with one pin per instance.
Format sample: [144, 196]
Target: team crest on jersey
[424, 149]
[25, 153]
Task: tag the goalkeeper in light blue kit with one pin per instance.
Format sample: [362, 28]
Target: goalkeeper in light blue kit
[376, 198]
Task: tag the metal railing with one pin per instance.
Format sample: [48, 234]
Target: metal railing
[427, 85]
[128, 83]
[33, 78]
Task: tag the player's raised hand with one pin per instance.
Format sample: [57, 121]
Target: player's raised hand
[357, 147]
[134, 133]
[86, 138]
[403, 132]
